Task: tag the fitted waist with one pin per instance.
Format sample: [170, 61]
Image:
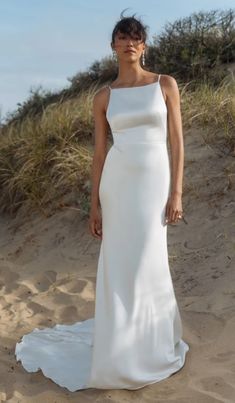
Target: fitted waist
[139, 136]
[137, 156]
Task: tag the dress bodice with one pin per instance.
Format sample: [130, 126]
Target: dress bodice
[138, 114]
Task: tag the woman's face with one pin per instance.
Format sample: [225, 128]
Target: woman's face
[128, 47]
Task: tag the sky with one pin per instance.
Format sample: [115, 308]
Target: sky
[44, 42]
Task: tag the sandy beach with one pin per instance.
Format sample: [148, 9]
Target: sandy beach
[48, 274]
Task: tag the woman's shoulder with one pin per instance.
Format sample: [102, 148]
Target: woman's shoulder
[101, 98]
[101, 94]
[168, 80]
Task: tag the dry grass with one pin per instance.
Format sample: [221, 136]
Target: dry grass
[213, 110]
[45, 158]
[45, 162]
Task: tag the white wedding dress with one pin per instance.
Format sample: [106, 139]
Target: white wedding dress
[135, 338]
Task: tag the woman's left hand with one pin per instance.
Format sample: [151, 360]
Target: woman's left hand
[174, 209]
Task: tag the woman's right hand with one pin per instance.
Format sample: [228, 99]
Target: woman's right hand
[95, 223]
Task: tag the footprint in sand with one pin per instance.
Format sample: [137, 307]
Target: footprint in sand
[68, 314]
[72, 286]
[224, 357]
[43, 281]
[8, 280]
[217, 387]
[205, 326]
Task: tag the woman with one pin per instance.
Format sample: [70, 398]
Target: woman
[135, 300]
[135, 338]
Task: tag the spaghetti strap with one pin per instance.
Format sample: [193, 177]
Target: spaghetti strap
[159, 76]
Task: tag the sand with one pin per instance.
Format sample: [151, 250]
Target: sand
[48, 273]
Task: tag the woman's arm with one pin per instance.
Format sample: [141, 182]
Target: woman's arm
[176, 141]
[175, 135]
[100, 151]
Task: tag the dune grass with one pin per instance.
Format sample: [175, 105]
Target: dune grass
[44, 158]
[213, 111]
[45, 162]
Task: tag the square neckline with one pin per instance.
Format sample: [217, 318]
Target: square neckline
[139, 86]
[136, 86]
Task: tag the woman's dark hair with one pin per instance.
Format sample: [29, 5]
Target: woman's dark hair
[130, 26]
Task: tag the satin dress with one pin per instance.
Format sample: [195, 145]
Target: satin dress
[135, 336]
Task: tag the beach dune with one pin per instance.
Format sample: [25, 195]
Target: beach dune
[48, 274]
